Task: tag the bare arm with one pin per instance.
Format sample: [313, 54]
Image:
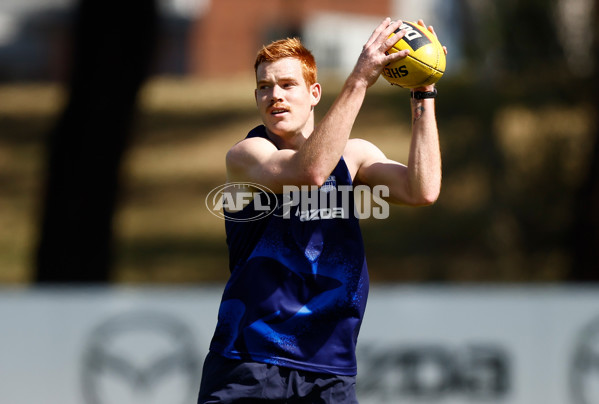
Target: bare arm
[311, 163]
[418, 183]
[326, 145]
[424, 162]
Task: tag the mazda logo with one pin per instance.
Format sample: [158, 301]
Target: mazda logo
[584, 374]
[140, 357]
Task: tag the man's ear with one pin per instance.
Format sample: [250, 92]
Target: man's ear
[315, 92]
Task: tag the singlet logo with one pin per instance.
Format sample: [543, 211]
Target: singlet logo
[329, 185]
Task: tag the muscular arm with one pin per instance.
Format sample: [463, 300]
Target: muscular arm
[310, 164]
[418, 183]
[424, 162]
[323, 149]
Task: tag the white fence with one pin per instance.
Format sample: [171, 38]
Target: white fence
[442, 345]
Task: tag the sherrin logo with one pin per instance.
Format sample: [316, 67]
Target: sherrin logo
[235, 196]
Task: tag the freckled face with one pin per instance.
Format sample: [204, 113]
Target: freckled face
[284, 100]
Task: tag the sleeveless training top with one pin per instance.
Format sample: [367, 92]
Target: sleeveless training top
[299, 282]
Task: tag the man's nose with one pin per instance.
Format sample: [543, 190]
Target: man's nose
[277, 93]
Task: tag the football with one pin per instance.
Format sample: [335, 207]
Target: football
[425, 63]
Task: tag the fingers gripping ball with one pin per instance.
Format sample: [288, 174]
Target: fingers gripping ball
[424, 65]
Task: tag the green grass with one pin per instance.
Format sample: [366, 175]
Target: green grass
[489, 225]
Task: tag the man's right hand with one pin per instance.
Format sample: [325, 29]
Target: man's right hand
[374, 55]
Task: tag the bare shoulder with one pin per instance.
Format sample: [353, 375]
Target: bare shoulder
[250, 146]
[255, 159]
[248, 150]
[356, 143]
[359, 152]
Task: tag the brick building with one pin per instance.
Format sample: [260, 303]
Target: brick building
[206, 38]
[225, 38]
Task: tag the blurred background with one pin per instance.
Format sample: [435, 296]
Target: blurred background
[115, 118]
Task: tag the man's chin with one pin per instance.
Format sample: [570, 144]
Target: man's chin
[278, 129]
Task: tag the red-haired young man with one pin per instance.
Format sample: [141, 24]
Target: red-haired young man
[291, 311]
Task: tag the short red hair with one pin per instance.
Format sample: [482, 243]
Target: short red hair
[289, 48]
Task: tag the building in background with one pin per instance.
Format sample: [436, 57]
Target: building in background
[207, 38]
[225, 39]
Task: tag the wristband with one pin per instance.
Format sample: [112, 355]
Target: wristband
[421, 95]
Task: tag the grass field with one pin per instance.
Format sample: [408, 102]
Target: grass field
[498, 165]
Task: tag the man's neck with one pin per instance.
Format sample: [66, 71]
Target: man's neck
[291, 141]
[286, 141]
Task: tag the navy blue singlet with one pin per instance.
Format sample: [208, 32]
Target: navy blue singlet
[298, 286]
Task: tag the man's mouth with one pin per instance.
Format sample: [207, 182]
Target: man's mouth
[278, 110]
